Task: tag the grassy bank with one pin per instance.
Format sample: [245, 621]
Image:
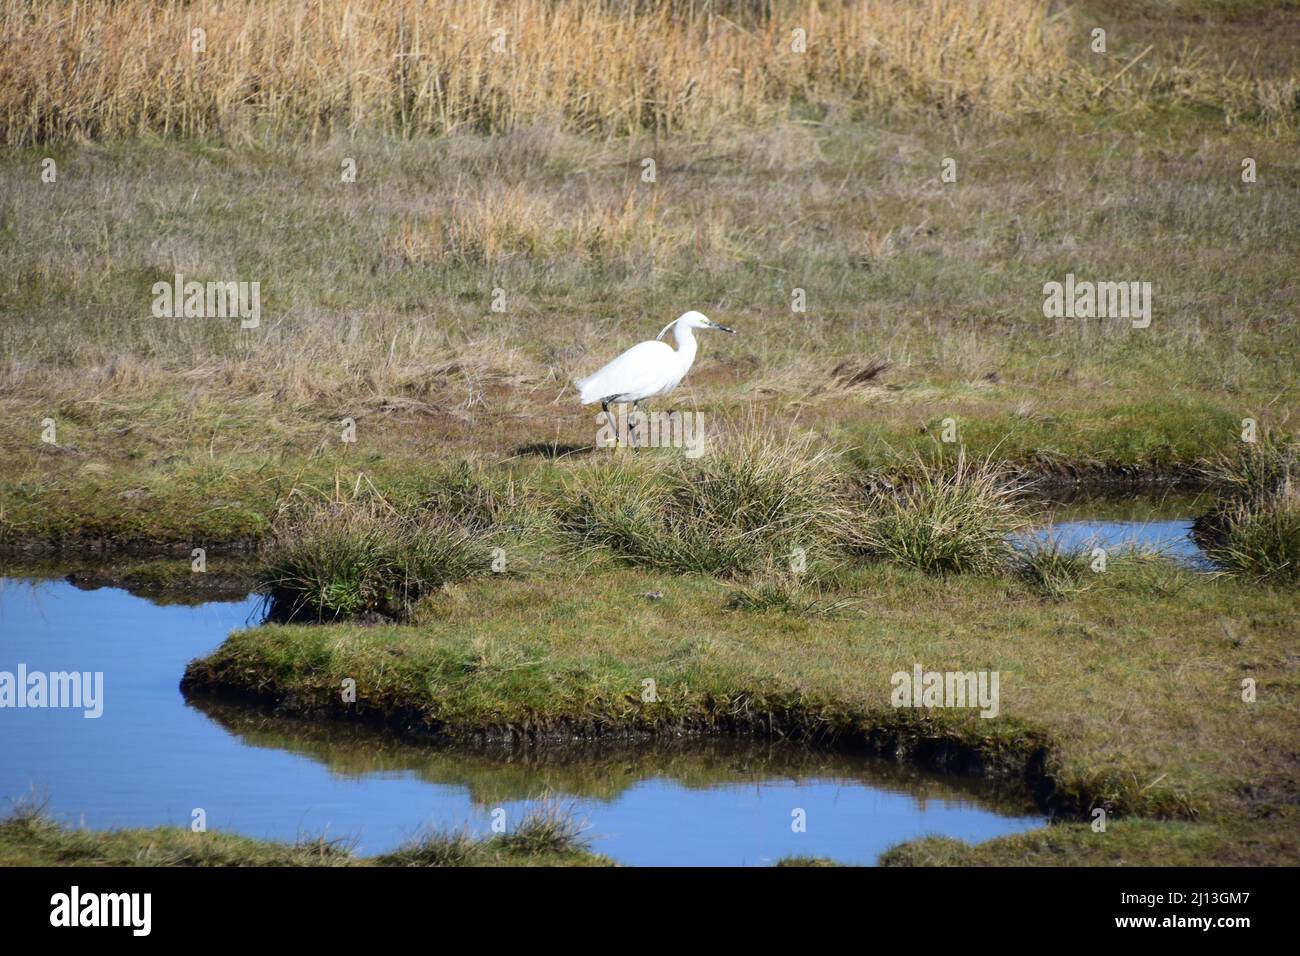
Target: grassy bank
[1245, 842]
[29, 839]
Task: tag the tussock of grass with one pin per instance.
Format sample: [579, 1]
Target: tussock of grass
[1150, 574]
[1058, 572]
[343, 560]
[732, 511]
[547, 829]
[475, 497]
[1261, 538]
[547, 835]
[1255, 530]
[945, 519]
[1052, 568]
[783, 591]
[806, 861]
[442, 848]
[1257, 469]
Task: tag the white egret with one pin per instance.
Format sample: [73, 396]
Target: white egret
[646, 370]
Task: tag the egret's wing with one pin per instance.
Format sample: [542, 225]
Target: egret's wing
[638, 371]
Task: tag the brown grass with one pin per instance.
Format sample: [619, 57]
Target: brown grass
[105, 70]
[377, 294]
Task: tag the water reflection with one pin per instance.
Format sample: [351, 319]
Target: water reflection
[153, 758]
[1154, 524]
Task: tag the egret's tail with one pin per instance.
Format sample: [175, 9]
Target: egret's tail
[588, 389]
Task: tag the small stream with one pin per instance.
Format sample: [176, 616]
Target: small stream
[152, 758]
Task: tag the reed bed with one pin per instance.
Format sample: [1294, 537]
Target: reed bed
[226, 69]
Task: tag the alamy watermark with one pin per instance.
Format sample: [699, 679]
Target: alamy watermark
[922, 688]
[652, 430]
[75, 908]
[82, 690]
[1075, 299]
[208, 300]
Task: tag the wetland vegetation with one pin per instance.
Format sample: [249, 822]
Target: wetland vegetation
[394, 455]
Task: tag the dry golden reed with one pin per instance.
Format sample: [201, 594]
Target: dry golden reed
[108, 69]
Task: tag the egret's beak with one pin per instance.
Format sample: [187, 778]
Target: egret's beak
[722, 328]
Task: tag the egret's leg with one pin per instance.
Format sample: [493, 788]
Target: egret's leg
[609, 416]
[632, 424]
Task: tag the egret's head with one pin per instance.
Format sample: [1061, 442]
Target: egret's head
[696, 320]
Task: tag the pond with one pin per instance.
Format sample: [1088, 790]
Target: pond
[1155, 524]
[152, 758]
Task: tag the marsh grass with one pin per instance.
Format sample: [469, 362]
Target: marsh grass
[408, 67]
[579, 670]
[806, 861]
[751, 500]
[347, 560]
[943, 518]
[779, 590]
[1151, 574]
[28, 837]
[352, 328]
[1254, 531]
[1053, 568]
[1257, 469]
[1260, 538]
[549, 828]
[440, 848]
[1058, 571]
[482, 499]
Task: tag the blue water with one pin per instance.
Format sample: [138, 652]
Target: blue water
[152, 759]
[1171, 539]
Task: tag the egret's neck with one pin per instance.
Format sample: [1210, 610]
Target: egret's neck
[686, 345]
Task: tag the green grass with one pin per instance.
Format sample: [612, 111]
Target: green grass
[1099, 705]
[546, 830]
[28, 838]
[547, 836]
[1123, 843]
[1125, 695]
[196, 432]
[1054, 569]
[1258, 468]
[346, 559]
[1254, 530]
[1260, 539]
[944, 520]
[730, 512]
